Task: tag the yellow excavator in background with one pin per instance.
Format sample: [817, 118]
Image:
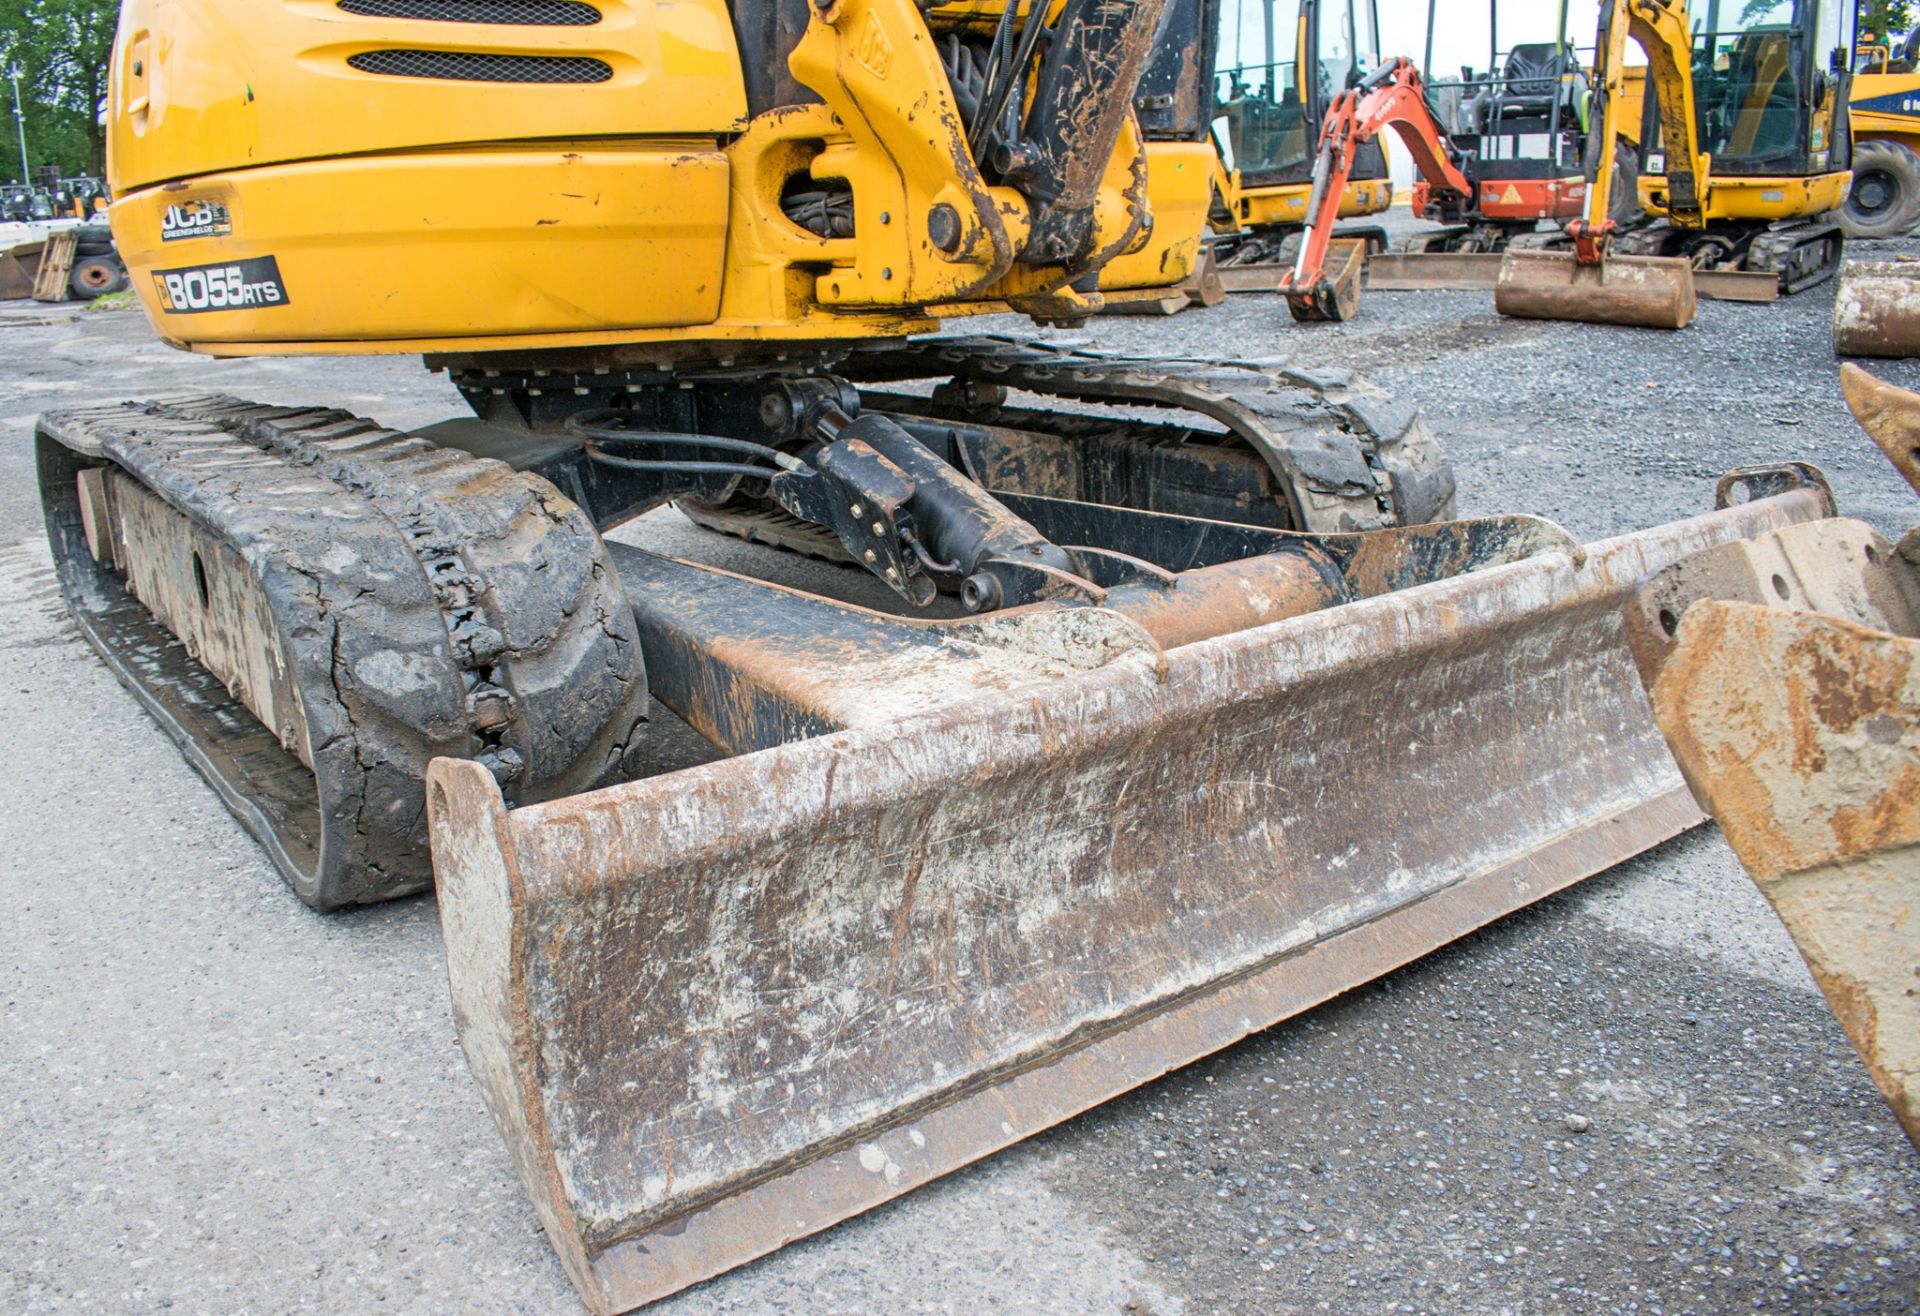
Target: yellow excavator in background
[1268, 115]
[1745, 152]
[1267, 112]
[1756, 185]
[1143, 703]
[1884, 110]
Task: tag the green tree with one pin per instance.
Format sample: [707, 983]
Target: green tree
[1885, 19]
[60, 49]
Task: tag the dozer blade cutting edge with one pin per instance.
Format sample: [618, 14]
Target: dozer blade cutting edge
[717, 1010]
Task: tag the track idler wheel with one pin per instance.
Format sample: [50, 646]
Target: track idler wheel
[315, 608]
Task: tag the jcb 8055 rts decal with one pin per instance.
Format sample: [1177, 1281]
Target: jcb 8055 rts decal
[235, 286]
[195, 219]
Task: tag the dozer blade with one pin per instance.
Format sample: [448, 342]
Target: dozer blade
[1424, 271]
[1468, 271]
[719, 1009]
[1653, 292]
[1876, 311]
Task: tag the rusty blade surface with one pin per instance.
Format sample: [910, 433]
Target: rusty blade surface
[1876, 310]
[1652, 292]
[717, 1010]
[1801, 733]
[1421, 271]
[1737, 285]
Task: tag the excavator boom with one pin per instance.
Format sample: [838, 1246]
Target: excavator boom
[1592, 283]
[1389, 97]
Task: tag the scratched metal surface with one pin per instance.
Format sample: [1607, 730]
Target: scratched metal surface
[703, 984]
[1801, 733]
[216, 1101]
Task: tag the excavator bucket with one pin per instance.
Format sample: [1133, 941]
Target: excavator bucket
[1801, 733]
[1876, 311]
[981, 876]
[1653, 292]
[1335, 297]
[1785, 674]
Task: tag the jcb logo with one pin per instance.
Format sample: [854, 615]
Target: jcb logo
[195, 219]
[872, 48]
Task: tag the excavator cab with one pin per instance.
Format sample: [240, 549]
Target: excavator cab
[1280, 65]
[1520, 124]
[1773, 146]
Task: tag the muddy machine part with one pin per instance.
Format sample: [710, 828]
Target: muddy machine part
[1785, 673]
[1180, 702]
[1649, 292]
[314, 607]
[1160, 780]
[1876, 310]
[722, 1009]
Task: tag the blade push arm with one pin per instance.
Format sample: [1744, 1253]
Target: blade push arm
[1391, 96]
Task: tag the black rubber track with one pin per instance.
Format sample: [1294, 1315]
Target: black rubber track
[427, 603]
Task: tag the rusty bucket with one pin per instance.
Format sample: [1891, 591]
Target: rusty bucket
[1653, 292]
[1785, 673]
[1335, 296]
[1876, 311]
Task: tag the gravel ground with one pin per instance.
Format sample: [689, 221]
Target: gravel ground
[1629, 1098]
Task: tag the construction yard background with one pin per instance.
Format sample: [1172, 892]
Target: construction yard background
[1628, 1098]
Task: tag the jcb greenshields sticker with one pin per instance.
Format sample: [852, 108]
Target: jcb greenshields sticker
[234, 286]
[195, 219]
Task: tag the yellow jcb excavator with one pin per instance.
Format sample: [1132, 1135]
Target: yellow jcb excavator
[1744, 153]
[1268, 117]
[1124, 728]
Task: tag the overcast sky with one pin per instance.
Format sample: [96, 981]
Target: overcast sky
[1463, 36]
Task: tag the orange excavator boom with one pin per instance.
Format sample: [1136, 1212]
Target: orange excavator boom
[1392, 96]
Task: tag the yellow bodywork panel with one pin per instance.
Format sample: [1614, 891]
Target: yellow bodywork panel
[1286, 206]
[297, 178]
[1886, 106]
[1756, 198]
[1179, 190]
[203, 86]
[451, 243]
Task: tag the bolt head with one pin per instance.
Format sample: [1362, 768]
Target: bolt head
[944, 228]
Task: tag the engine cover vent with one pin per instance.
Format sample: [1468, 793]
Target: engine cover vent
[466, 66]
[525, 13]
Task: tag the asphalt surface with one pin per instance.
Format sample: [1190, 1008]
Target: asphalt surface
[214, 1100]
